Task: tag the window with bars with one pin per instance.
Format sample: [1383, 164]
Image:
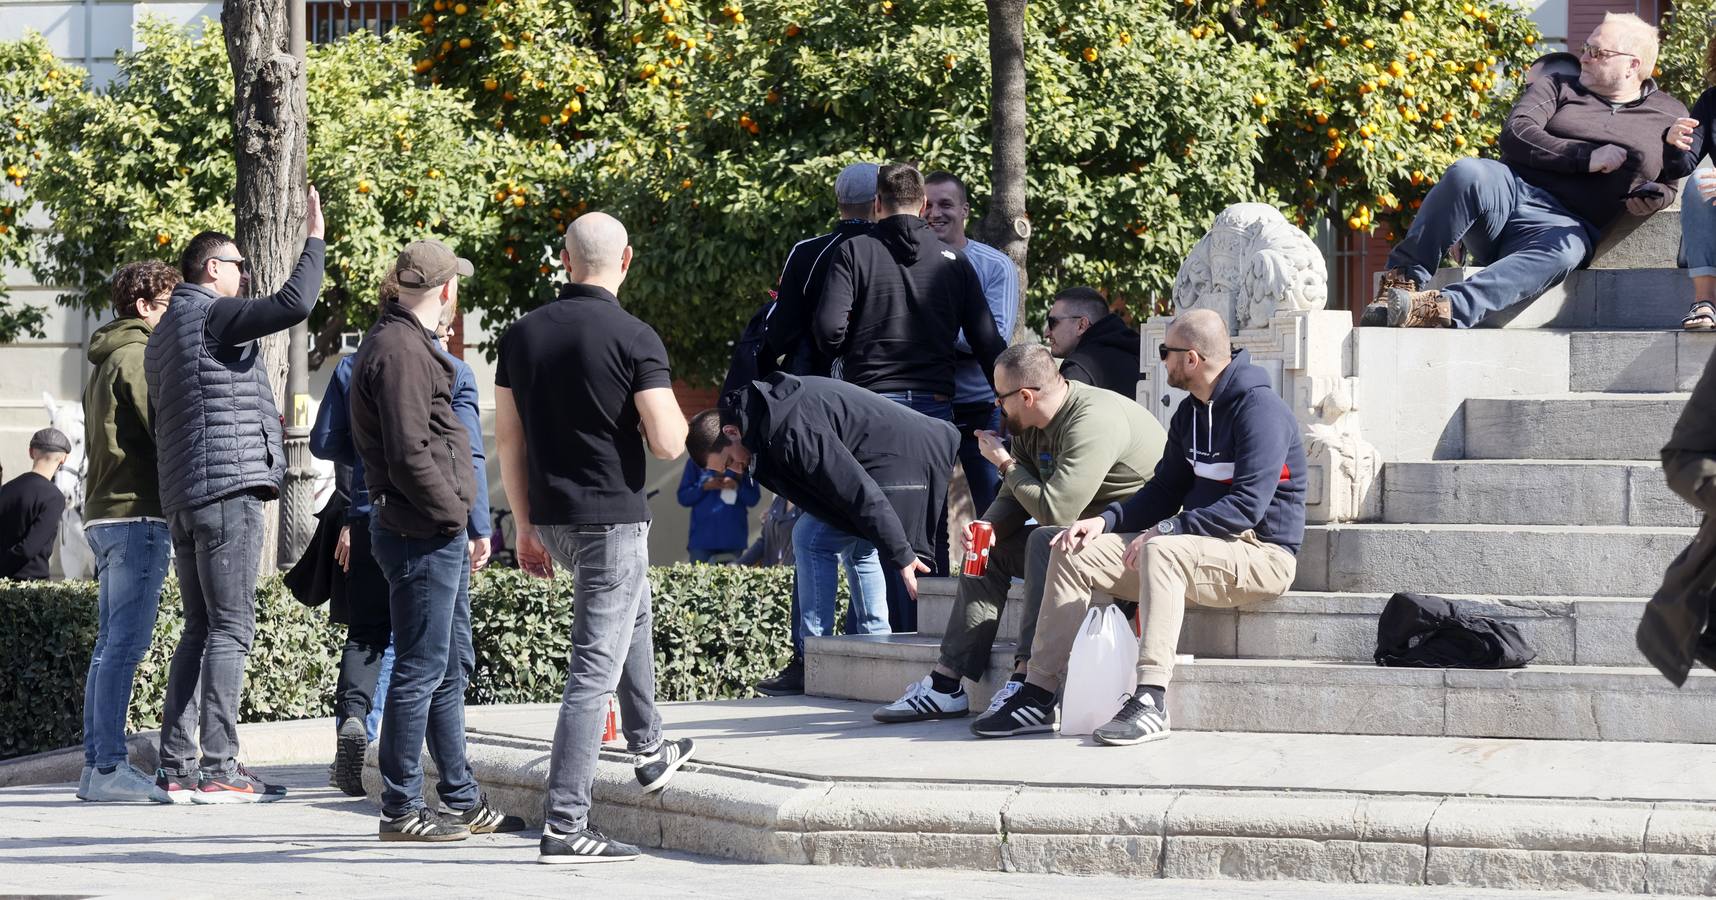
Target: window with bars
[330, 20]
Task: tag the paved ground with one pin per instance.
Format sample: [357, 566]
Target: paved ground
[321, 843]
[821, 738]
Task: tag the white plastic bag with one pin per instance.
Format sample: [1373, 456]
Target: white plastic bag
[1100, 671]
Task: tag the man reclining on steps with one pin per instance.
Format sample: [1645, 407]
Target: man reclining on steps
[1225, 512]
[1575, 153]
[1076, 448]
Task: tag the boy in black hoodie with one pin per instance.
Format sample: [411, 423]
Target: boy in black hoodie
[1218, 524]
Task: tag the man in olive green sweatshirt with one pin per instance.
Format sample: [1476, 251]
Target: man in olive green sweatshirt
[125, 527]
[1075, 449]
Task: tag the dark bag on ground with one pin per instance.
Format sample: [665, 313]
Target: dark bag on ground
[1424, 631]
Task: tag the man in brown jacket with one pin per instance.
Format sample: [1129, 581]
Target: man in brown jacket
[420, 486]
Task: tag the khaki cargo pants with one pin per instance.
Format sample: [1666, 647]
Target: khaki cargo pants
[1175, 570]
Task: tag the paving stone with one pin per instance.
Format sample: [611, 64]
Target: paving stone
[1536, 870]
[1135, 856]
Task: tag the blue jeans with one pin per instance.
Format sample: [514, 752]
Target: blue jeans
[1525, 239]
[612, 653]
[816, 547]
[429, 597]
[383, 680]
[1697, 231]
[130, 564]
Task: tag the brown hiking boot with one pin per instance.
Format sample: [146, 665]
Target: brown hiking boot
[1376, 314]
[1418, 309]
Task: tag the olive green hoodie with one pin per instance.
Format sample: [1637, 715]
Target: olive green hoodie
[118, 435]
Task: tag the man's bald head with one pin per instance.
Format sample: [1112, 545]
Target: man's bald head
[596, 247]
[1202, 330]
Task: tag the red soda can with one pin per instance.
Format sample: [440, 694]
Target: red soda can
[611, 729]
[982, 536]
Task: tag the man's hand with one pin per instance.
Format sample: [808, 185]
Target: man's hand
[1135, 549]
[313, 222]
[989, 444]
[1078, 536]
[712, 482]
[728, 483]
[533, 555]
[343, 549]
[909, 575]
[479, 553]
[1608, 158]
[1657, 198]
[1679, 134]
[1707, 184]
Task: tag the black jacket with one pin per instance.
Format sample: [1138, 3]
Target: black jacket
[1106, 357]
[412, 443]
[860, 462]
[30, 511]
[787, 340]
[893, 305]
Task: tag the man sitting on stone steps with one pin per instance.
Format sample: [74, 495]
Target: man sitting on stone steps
[1076, 448]
[1575, 154]
[1225, 512]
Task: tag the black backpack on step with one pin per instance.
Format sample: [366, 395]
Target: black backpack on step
[1423, 631]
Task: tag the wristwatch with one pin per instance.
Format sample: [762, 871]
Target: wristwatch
[1166, 526]
[1006, 466]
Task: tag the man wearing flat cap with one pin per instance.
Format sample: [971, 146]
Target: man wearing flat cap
[421, 485]
[30, 510]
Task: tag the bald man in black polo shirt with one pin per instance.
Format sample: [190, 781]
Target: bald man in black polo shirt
[580, 388]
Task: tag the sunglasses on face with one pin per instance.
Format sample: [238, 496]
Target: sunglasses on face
[1002, 398]
[1056, 320]
[1596, 52]
[239, 261]
[1162, 350]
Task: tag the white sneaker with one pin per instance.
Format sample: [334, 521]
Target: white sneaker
[923, 702]
[83, 782]
[122, 785]
[1000, 699]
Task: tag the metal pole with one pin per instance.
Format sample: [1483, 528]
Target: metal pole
[297, 495]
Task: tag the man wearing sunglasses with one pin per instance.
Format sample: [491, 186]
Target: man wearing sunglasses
[1095, 346]
[1576, 153]
[1218, 524]
[1076, 448]
[219, 456]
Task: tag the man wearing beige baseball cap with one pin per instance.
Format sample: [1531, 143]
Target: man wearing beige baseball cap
[421, 485]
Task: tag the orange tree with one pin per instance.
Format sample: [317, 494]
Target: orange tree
[31, 77]
[714, 130]
[133, 171]
[1382, 96]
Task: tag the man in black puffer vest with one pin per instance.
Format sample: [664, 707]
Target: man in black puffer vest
[219, 457]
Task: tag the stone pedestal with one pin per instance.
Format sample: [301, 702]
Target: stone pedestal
[1268, 281]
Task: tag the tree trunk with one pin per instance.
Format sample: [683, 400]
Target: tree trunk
[270, 120]
[1006, 226]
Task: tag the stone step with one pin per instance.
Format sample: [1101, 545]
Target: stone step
[1589, 631]
[1493, 560]
[1532, 492]
[1643, 361]
[1571, 426]
[1593, 703]
[1596, 298]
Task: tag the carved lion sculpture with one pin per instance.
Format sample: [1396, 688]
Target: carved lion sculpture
[1251, 264]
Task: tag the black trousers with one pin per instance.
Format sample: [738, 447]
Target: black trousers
[368, 633]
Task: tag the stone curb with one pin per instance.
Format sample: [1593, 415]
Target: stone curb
[757, 816]
[263, 743]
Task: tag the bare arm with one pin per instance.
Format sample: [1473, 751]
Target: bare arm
[664, 427]
[514, 470]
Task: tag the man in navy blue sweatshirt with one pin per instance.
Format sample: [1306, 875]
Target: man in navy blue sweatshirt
[1217, 525]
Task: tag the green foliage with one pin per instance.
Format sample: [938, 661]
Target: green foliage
[134, 171]
[718, 630]
[1686, 37]
[1380, 97]
[31, 77]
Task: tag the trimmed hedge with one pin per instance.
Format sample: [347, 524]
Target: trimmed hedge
[718, 630]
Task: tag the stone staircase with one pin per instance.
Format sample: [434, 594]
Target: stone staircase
[1547, 505]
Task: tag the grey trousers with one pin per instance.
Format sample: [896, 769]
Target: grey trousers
[970, 634]
[611, 651]
[215, 548]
